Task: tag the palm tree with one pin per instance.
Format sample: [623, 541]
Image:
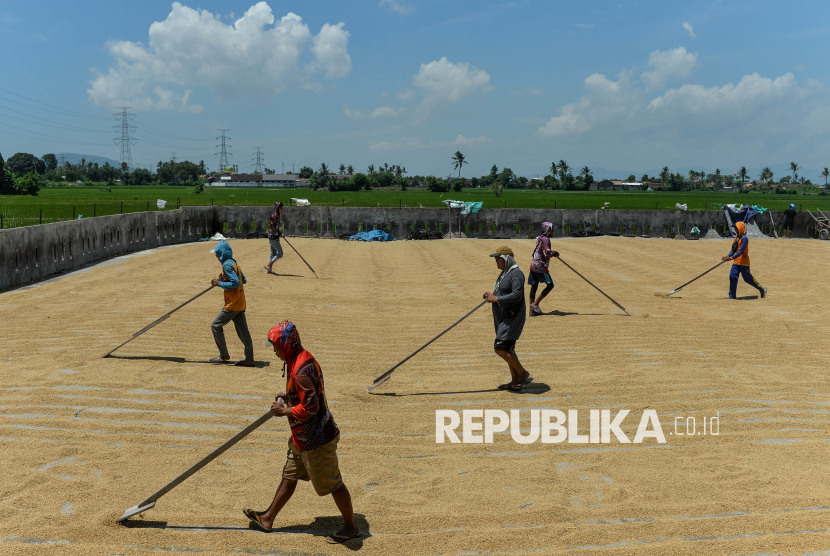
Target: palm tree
[342, 169]
[371, 169]
[564, 169]
[494, 171]
[586, 174]
[553, 169]
[825, 175]
[458, 161]
[766, 174]
[743, 174]
[692, 176]
[324, 170]
[795, 168]
[350, 169]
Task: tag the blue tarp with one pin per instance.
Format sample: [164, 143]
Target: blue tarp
[744, 213]
[374, 235]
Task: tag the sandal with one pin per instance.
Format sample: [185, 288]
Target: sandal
[218, 359]
[334, 538]
[254, 518]
[245, 364]
[525, 383]
[508, 386]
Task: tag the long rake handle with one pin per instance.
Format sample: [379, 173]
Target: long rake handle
[382, 377]
[696, 277]
[207, 459]
[596, 288]
[298, 254]
[158, 321]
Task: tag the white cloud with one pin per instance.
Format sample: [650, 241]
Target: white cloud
[444, 82]
[756, 118]
[481, 140]
[688, 27]
[397, 6]
[330, 47]
[409, 144]
[379, 112]
[255, 55]
[529, 91]
[584, 25]
[409, 94]
[676, 63]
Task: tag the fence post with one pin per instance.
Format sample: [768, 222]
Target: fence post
[1, 220]
[554, 204]
[148, 205]
[73, 212]
[41, 216]
[94, 209]
[122, 207]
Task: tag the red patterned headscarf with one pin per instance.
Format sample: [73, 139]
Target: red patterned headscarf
[286, 336]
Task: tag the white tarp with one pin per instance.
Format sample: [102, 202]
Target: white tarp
[300, 202]
[160, 203]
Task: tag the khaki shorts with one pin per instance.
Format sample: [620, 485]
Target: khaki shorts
[319, 466]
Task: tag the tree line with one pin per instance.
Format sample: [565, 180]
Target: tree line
[26, 174]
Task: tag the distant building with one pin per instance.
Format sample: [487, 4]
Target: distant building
[256, 180]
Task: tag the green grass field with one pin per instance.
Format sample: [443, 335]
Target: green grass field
[59, 204]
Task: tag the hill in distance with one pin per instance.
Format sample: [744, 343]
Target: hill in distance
[74, 158]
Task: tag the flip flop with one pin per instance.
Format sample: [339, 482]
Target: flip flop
[218, 359]
[340, 539]
[253, 517]
[525, 383]
[508, 386]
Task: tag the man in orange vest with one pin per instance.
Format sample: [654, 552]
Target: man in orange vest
[740, 265]
[231, 280]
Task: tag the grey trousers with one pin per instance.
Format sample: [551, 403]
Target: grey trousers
[276, 250]
[241, 325]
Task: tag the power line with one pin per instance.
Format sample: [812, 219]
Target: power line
[223, 154]
[65, 141]
[170, 135]
[51, 124]
[124, 139]
[56, 107]
[173, 158]
[53, 111]
[258, 168]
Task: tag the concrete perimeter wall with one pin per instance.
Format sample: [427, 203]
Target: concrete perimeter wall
[34, 252]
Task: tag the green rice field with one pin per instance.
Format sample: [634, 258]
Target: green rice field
[63, 203]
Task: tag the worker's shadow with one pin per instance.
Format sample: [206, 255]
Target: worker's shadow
[745, 297]
[530, 389]
[287, 275]
[557, 313]
[258, 364]
[320, 527]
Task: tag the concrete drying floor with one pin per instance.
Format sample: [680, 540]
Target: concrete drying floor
[83, 438]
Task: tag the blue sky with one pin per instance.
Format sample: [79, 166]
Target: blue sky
[628, 86]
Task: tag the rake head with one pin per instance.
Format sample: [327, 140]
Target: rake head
[377, 383]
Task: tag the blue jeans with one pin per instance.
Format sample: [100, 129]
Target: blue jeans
[741, 270]
[276, 250]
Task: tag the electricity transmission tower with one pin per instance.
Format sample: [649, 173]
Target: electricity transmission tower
[258, 167]
[124, 139]
[173, 158]
[223, 154]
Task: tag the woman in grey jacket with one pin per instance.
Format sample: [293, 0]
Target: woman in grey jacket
[508, 299]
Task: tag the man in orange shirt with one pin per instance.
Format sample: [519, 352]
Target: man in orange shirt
[231, 280]
[740, 266]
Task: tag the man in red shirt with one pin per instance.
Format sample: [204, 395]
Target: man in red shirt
[312, 448]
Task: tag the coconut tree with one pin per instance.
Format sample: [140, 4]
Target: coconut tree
[458, 161]
[743, 174]
[371, 169]
[766, 174]
[564, 169]
[342, 169]
[494, 171]
[554, 169]
[795, 168]
[825, 174]
[585, 173]
[350, 169]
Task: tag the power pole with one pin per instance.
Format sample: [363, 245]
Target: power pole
[124, 139]
[258, 167]
[173, 158]
[223, 153]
